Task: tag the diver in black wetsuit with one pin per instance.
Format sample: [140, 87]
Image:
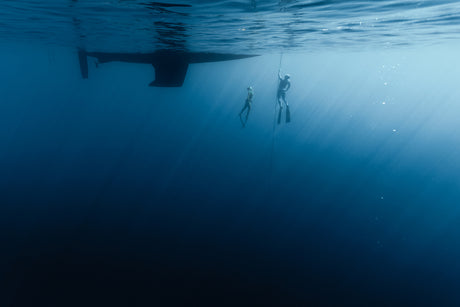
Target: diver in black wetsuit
[247, 105]
[283, 86]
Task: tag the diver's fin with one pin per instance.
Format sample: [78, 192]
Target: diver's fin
[242, 121]
[279, 116]
[288, 115]
[82, 58]
[169, 73]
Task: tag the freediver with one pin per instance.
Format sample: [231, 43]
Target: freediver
[247, 106]
[283, 86]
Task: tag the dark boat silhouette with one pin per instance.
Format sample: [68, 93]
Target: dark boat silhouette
[170, 65]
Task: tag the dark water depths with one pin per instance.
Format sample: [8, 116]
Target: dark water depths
[113, 193]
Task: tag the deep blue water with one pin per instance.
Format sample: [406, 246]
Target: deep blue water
[114, 193]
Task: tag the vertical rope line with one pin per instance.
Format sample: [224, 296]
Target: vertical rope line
[272, 150]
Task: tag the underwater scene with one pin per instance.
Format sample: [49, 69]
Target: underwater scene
[229, 153]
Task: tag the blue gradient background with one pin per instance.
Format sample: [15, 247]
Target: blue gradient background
[115, 193]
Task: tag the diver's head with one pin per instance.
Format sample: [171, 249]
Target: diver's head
[250, 89]
[287, 76]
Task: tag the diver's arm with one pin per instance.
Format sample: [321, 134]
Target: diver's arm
[288, 86]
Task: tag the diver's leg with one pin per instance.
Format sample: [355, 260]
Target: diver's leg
[247, 113]
[288, 112]
[280, 103]
[244, 108]
[284, 99]
[242, 121]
